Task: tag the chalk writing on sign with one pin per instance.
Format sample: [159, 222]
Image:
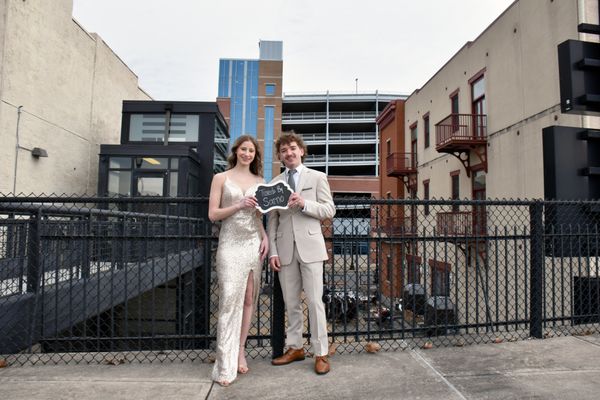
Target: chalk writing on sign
[273, 195]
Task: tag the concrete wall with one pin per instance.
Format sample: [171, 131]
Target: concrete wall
[65, 88]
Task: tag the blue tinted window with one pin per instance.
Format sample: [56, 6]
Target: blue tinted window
[238, 80]
[270, 89]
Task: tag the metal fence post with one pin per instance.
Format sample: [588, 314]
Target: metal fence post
[536, 283]
[33, 253]
[278, 319]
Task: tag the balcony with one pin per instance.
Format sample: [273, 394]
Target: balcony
[460, 132]
[340, 138]
[401, 164]
[461, 223]
[333, 115]
[400, 226]
[340, 159]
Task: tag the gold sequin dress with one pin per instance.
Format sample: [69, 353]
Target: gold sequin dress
[237, 255]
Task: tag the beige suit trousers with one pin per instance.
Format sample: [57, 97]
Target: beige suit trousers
[293, 278]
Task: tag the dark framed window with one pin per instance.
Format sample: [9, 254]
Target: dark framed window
[426, 130]
[426, 196]
[478, 178]
[454, 111]
[455, 188]
[440, 278]
[143, 176]
[119, 176]
[388, 147]
[414, 136]
[151, 127]
[413, 268]
[270, 89]
[478, 104]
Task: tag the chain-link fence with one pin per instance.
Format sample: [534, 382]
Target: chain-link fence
[86, 279]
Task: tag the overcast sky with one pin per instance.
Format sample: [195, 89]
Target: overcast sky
[174, 46]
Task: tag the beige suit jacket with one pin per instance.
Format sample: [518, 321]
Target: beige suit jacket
[286, 227]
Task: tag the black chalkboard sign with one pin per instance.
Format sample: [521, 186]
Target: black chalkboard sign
[273, 195]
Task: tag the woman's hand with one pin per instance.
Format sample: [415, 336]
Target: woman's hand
[247, 202]
[263, 249]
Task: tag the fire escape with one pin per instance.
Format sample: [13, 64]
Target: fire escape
[462, 135]
[465, 137]
[402, 166]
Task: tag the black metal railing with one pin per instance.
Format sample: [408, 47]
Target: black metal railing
[84, 279]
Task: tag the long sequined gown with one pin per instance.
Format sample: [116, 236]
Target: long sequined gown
[237, 255]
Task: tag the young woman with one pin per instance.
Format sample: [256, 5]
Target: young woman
[243, 245]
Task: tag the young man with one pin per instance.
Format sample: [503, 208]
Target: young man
[297, 250]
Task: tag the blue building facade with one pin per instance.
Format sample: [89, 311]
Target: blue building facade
[238, 80]
[253, 88]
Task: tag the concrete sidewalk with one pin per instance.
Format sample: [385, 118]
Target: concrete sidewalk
[555, 368]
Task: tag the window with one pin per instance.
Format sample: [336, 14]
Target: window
[454, 188]
[388, 147]
[413, 145]
[454, 102]
[454, 111]
[270, 89]
[151, 127]
[413, 268]
[440, 278]
[479, 211]
[426, 196]
[426, 130]
[389, 268]
[479, 107]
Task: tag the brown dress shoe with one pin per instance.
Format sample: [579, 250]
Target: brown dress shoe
[290, 356]
[322, 365]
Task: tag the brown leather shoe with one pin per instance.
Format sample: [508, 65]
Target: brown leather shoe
[322, 365]
[290, 356]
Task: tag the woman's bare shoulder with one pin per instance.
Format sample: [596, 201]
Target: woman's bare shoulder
[220, 177]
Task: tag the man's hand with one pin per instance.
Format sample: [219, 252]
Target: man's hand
[296, 201]
[275, 264]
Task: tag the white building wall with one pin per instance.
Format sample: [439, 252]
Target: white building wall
[519, 55]
[65, 87]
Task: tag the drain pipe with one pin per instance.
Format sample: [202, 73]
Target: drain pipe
[17, 147]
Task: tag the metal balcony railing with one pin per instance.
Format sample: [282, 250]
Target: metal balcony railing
[401, 164]
[461, 223]
[400, 226]
[335, 115]
[459, 130]
[340, 158]
[344, 137]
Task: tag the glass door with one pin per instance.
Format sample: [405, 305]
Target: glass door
[150, 184]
